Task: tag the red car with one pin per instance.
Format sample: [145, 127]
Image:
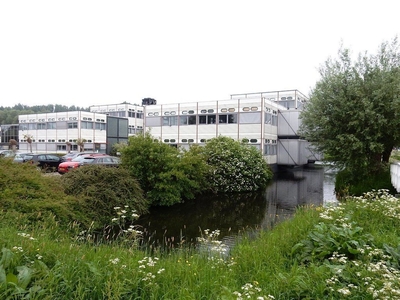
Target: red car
[64, 167]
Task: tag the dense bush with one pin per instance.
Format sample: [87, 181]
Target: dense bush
[99, 189]
[235, 167]
[165, 174]
[25, 190]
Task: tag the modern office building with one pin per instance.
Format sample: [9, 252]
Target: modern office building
[268, 121]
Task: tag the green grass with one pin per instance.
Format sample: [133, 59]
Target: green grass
[322, 253]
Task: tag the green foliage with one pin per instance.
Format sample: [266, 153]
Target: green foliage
[353, 114]
[347, 184]
[165, 174]
[168, 175]
[100, 189]
[327, 239]
[24, 189]
[235, 167]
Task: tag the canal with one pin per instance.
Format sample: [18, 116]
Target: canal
[235, 214]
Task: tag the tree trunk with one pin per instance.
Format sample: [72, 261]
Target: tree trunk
[386, 154]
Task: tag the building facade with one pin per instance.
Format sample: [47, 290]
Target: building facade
[268, 121]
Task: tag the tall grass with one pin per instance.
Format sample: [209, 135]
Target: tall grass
[351, 251]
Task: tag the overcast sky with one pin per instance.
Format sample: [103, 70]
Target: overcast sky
[100, 52]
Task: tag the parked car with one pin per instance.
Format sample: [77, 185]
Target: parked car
[7, 153]
[109, 161]
[71, 155]
[19, 157]
[47, 162]
[66, 166]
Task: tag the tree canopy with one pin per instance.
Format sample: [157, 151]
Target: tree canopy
[353, 114]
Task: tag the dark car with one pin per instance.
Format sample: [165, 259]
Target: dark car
[47, 162]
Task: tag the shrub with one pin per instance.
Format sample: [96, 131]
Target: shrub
[165, 174]
[25, 190]
[99, 189]
[235, 167]
[348, 184]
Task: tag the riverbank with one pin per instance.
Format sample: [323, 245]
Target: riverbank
[321, 253]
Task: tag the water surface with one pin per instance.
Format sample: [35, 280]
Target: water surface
[238, 213]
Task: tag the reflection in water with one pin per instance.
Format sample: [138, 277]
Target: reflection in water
[238, 213]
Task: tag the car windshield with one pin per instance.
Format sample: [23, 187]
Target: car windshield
[28, 157]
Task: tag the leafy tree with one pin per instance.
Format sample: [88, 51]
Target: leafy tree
[81, 143]
[353, 114]
[28, 139]
[235, 166]
[13, 145]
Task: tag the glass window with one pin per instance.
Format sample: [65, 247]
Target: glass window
[183, 120]
[275, 120]
[72, 125]
[51, 125]
[100, 126]
[170, 121]
[211, 119]
[139, 115]
[32, 126]
[41, 126]
[202, 119]
[192, 120]
[86, 125]
[187, 120]
[222, 119]
[232, 119]
[268, 118]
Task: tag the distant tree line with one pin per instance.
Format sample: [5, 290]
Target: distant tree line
[9, 115]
